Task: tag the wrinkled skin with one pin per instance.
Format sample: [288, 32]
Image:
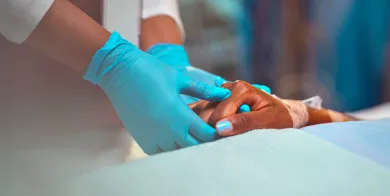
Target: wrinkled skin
[266, 110]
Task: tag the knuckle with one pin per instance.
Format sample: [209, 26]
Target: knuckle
[244, 120]
[242, 123]
[241, 86]
[213, 119]
[227, 85]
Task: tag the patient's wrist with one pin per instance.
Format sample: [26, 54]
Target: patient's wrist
[298, 112]
[320, 116]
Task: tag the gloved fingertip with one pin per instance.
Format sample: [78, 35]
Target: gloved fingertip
[244, 108]
[203, 90]
[203, 132]
[263, 88]
[222, 93]
[219, 81]
[214, 93]
[151, 151]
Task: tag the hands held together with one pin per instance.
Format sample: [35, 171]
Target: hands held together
[135, 81]
[267, 111]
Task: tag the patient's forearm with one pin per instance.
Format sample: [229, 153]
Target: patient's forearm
[266, 111]
[320, 116]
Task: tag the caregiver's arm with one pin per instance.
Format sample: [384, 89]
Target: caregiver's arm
[57, 29]
[161, 23]
[126, 74]
[162, 36]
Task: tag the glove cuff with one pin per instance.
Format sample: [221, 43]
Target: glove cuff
[104, 60]
[172, 54]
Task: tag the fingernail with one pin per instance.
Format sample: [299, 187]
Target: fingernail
[224, 126]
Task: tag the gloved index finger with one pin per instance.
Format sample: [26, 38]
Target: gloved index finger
[203, 90]
[219, 81]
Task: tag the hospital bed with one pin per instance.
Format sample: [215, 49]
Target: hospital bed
[377, 112]
[335, 159]
[374, 113]
[338, 159]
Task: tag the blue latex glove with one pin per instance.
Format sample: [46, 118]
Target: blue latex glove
[175, 56]
[145, 93]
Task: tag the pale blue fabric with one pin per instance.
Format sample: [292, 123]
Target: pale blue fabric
[370, 139]
[269, 163]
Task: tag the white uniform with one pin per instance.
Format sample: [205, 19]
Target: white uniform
[53, 124]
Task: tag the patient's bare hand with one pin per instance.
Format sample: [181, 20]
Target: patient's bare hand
[266, 110]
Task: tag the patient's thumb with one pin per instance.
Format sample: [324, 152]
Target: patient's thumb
[233, 125]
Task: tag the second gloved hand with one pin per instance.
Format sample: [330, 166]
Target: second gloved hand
[175, 56]
[145, 92]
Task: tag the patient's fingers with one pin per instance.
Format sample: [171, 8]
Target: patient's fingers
[198, 106]
[230, 106]
[266, 111]
[268, 117]
[242, 93]
[205, 115]
[207, 110]
[203, 109]
[227, 85]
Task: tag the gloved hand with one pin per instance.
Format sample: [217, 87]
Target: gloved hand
[175, 56]
[145, 93]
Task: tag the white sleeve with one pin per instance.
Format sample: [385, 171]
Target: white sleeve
[18, 18]
[170, 8]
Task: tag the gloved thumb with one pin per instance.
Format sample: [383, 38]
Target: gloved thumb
[218, 81]
[203, 90]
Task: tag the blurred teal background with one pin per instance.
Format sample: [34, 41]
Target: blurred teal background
[333, 48]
